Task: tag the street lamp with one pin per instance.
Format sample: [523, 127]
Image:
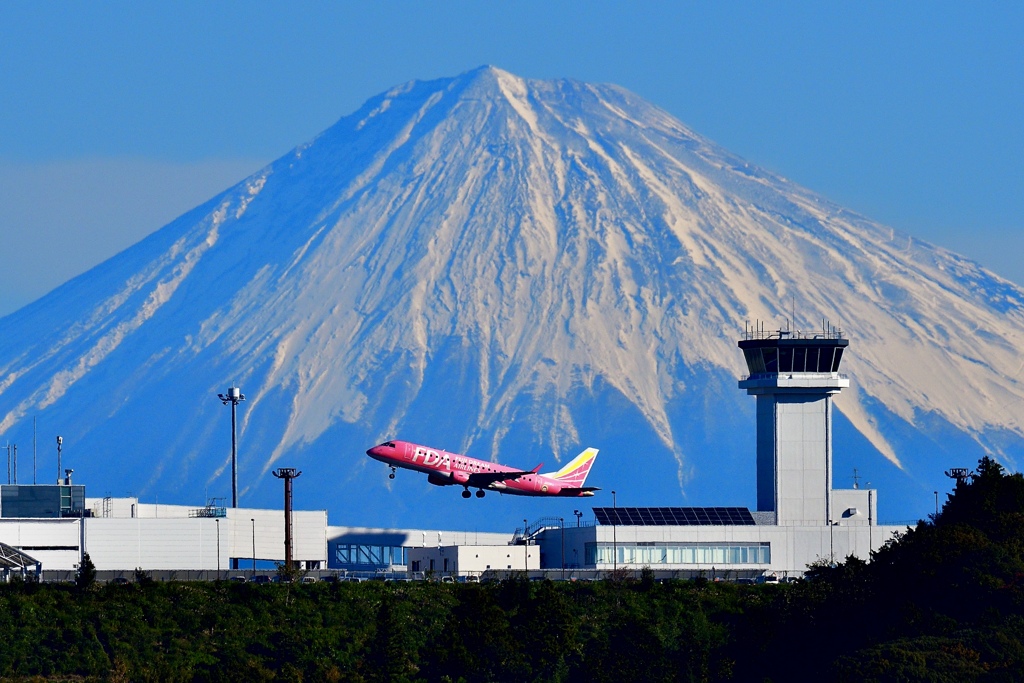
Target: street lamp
[578, 516]
[234, 397]
[253, 520]
[526, 548]
[615, 540]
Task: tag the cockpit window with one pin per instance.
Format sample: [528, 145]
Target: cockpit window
[388, 444]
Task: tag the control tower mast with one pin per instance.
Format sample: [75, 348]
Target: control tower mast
[794, 377]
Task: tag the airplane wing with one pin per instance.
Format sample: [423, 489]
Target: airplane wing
[485, 479]
[579, 491]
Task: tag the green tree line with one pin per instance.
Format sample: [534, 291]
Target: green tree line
[941, 603]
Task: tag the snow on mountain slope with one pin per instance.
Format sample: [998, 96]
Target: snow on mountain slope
[513, 267]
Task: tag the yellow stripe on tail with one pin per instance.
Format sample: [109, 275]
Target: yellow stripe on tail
[576, 470]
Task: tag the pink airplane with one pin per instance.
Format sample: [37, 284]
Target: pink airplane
[447, 469]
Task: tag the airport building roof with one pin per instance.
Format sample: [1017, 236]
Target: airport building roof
[674, 516]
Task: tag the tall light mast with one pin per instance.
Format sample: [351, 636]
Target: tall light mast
[234, 397]
[287, 473]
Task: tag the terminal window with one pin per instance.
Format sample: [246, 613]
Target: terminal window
[687, 553]
[372, 555]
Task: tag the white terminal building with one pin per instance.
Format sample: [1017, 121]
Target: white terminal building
[800, 518]
[57, 525]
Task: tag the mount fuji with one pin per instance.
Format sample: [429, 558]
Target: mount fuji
[513, 269]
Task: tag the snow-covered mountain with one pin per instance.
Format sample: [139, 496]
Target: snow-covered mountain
[516, 269]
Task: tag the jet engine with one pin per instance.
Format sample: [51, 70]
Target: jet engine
[439, 479]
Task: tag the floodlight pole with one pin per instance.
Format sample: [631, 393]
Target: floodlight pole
[60, 443]
[234, 397]
[287, 473]
[615, 540]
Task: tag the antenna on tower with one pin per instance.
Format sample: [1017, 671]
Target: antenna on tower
[959, 473]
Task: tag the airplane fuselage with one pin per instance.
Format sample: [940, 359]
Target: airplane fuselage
[447, 469]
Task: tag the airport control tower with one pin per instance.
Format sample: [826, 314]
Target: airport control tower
[794, 376]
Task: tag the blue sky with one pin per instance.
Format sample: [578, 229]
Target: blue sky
[115, 117]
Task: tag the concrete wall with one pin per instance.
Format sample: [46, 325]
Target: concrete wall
[854, 506]
[56, 543]
[803, 457]
[474, 560]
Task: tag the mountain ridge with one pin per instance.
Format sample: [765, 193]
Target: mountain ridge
[504, 247]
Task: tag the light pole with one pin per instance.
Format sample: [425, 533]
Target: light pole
[253, 520]
[615, 539]
[234, 397]
[526, 548]
[936, 503]
[831, 545]
[60, 442]
[287, 473]
[561, 521]
[578, 516]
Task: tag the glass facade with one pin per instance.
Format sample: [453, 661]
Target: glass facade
[353, 556]
[40, 501]
[785, 359]
[681, 553]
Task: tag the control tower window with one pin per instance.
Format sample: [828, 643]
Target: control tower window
[755, 363]
[785, 360]
[771, 360]
[799, 360]
[835, 361]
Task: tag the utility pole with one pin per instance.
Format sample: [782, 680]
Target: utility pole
[234, 397]
[287, 473]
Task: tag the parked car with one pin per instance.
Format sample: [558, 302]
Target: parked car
[260, 578]
[307, 579]
[237, 579]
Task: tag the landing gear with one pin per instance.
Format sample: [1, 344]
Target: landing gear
[480, 493]
[465, 494]
[392, 475]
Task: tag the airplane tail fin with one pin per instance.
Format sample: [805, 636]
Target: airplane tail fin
[575, 472]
